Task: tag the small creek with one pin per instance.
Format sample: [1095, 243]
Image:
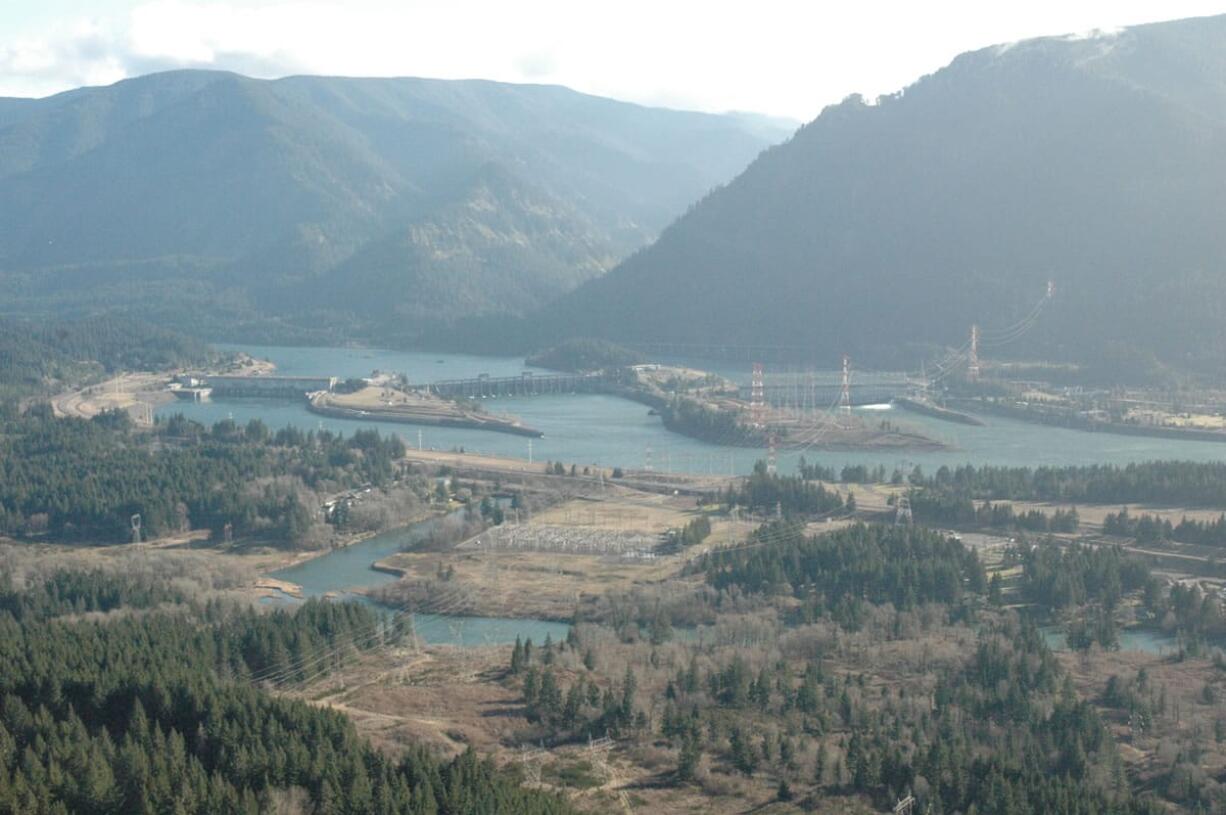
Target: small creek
[342, 571]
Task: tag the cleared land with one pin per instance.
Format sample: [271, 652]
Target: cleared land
[559, 562]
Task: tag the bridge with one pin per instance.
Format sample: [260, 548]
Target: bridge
[526, 384]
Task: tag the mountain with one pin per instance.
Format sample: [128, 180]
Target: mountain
[886, 229]
[200, 195]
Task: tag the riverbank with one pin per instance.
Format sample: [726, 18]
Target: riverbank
[139, 393]
[711, 411]
[1075, 421]
[399, 406]
[925, 408]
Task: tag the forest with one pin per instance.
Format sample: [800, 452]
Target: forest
[584, 354]
[995, 727]
[1152, 529]
[1062, 577]
[74, 479]
[948, 508]
[691, 417]
[1186, 483]
[838, 572]
[157, 713]
[764, 492]
[37, 357]
[1181, 483]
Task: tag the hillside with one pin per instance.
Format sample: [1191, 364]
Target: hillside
[36, 359]
[207, 195]
[886, 229]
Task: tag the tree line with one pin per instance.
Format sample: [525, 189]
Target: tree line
[788, 495]
[151, 713]
[935, 505]
[1189, 483]
[71, 478]
[1152, 529]
[36, 357]
[836, 573]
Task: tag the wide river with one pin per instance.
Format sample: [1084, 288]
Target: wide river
[608, 431]
[605, 430]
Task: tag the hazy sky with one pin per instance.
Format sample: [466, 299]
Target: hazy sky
[786, 58]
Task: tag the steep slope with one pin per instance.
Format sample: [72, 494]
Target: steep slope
[194, 191]
[1099, 163]
[503, 245]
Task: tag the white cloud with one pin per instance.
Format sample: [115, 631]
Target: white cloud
[775, 56]
[81, 53]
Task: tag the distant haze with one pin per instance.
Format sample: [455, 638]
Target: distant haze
[1097, 163]
[775, 56]
[399, 200]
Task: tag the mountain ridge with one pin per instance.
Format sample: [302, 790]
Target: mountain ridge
[211, 186]
[901, 223]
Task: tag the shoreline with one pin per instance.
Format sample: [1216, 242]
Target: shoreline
[1091, 426]
[493, 424]
[937, 412]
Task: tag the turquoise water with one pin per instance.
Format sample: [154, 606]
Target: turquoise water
[478, 631]
[1147, 640]
[605, 430]
[344, 570]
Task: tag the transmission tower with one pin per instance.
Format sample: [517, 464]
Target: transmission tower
[757, 398]
[772, 443]
[972, 368]
[845, 397]
[532, 760]
[902, 510]
[647, 460]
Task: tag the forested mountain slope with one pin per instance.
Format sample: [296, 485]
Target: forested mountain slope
[197, 192]
[1096, 162]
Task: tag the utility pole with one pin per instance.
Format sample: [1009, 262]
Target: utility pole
[757, 398]
[845, 395]
[902, 511]
[972, 368]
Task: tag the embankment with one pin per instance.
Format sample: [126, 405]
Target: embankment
[431, 417]
[1077, 422]
[936, 411]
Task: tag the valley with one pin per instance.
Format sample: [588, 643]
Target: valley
[409, 446]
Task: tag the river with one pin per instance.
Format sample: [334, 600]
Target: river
[343, 570]
[608, 431]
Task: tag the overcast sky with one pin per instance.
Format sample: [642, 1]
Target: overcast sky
[784, 58]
